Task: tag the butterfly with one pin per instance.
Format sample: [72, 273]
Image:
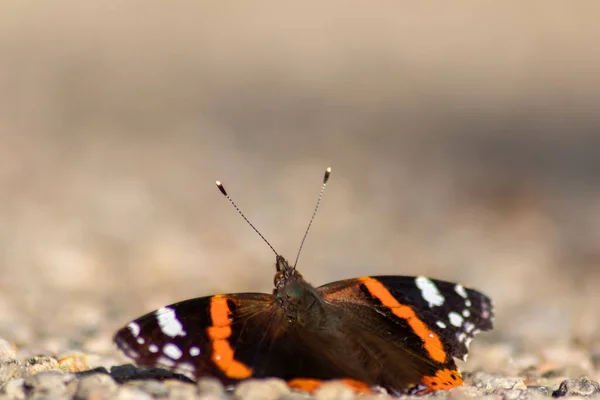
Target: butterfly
[399, 333]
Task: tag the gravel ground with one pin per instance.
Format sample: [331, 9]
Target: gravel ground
[463, 140]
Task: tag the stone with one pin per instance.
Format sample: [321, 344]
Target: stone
[489, 384]
[10, 369]
[99, 385]
[583, 387]
[76, 362]
[127, 392]
[152, 387]
[210, 389]
[183, 391]
[334, 390]
[49, 383]
[35, 365]
[14, 389]
[261, 389]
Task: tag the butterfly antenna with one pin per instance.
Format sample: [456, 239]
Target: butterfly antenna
[325, 179]
[224, 192]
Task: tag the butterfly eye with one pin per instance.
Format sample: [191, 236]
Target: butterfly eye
[278, 277]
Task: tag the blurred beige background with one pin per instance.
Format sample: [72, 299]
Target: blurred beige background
[463, 138]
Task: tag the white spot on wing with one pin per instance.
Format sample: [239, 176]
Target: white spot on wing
[134, 327]
[194, 351]
[172, 351]
[466, 313]
[468, 343]
[429, 291]
[168, 322]
[441, 324]
[469, 327]
[153, 348]
[460, 289]
[455, 319]
[141, 340]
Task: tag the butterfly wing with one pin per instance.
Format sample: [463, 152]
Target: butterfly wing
[202, 336]
[414, 326]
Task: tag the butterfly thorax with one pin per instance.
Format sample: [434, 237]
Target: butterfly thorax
[298, 299]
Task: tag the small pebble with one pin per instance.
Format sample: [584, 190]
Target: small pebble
[10, 369]
[210, 388]
[465, 391]
[14, 389]
[490, 384]
[154, 388]
[76, 362]
[300, 396]
[50, 383]
[583, 387]
[334, 390]
[125, 392]
[261, 389]
[521, 395]
[100, 386]
[35, 365]
[183, 391]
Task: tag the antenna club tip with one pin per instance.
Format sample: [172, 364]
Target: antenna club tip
[327, 173]
[221, 188]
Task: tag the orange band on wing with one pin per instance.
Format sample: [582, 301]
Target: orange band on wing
[305, 384]
[430, 339]
[310, 385]
[443, 379]
[219, 311]
[357, 386]
[219, 332]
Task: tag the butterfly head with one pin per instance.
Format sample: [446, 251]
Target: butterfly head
[285, 273]
[297, 297]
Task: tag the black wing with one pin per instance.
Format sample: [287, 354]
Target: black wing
[214, 335]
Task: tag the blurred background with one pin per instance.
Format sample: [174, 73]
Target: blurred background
[463, 138]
